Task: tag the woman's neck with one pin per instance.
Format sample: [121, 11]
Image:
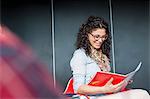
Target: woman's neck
[94, 49]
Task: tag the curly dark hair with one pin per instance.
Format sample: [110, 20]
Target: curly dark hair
[91, 24]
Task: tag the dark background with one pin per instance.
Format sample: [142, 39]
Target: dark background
[31, 21]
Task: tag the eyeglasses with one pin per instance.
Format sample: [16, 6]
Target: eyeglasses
[97, 37]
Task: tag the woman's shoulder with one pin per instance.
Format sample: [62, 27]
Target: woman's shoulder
[80, 51]
[79, 58]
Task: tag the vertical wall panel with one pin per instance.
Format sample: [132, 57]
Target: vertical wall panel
[69, 14]
[31, 21]
[131, 38]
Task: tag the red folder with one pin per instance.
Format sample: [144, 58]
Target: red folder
[100, 79]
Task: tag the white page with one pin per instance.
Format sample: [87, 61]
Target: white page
[130, 75]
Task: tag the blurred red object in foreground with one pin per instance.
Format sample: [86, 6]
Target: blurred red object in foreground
[22, 75]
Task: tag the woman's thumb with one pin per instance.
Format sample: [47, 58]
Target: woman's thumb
[110, 81]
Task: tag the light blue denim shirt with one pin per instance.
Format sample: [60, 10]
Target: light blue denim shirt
[84, 68]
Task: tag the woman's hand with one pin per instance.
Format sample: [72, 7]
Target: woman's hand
[130, 81]
[110, 88]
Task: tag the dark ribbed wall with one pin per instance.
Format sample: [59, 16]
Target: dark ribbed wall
[31, 21]
[131, 39]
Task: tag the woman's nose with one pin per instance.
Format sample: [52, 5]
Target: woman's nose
[100, 40]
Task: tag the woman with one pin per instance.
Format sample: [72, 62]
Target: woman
[92, 55]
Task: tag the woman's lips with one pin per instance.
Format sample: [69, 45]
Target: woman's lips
[97, 44]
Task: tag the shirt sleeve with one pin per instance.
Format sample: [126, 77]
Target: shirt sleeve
[78, 66]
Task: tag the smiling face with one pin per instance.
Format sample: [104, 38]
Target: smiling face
[97, 37]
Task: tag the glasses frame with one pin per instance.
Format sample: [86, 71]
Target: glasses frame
[97, 37]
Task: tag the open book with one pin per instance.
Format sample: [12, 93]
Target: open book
[101, 78]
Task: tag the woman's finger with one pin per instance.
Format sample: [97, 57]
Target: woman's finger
[130, 81]
[109, 82]
[119, 84]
